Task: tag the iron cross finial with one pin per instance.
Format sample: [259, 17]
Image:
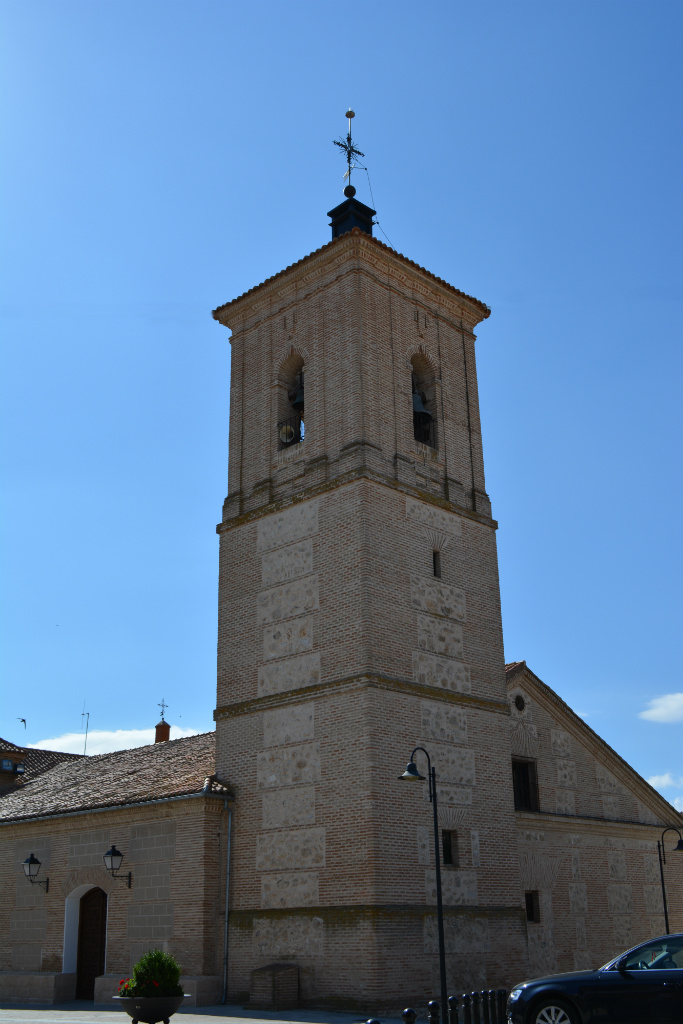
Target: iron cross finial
[163, 707]
[350, 150]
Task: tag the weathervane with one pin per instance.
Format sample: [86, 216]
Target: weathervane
[163, 707]
[351, 152]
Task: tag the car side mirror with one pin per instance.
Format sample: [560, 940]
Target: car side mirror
[621, 964]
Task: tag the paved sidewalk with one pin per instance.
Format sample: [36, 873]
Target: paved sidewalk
[81, 1012]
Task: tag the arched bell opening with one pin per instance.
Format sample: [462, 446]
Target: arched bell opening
[423, 386]
[291, 402]
[85, 937]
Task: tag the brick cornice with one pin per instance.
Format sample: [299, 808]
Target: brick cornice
[342, 480]
[359, 682]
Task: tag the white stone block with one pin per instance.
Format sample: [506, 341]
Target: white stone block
[282, 528]
[430, 670]
[286, 807]
[291, 674]
[288, 725]
[293, 637]
[284, 564]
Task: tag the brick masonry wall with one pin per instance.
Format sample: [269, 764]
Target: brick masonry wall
[176, 853]
[591, 852]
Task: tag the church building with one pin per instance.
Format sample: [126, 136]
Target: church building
[359, 619]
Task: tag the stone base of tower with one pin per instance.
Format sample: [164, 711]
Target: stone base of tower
[378, 960]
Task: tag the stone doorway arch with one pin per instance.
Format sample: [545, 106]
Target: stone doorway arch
[85, 937]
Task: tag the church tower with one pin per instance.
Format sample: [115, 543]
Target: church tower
[359, 617]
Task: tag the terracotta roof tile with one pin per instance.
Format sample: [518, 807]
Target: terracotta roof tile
[336, 241]
[160, 770]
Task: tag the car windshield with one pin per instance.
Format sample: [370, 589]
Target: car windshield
[665, 954]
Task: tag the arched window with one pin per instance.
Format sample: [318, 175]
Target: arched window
[290, 427]
[424, 401]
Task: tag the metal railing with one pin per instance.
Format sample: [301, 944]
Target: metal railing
[486, 1007]
[423, 429]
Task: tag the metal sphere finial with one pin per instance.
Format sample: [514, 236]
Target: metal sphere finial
[349, 113]
[349, 191]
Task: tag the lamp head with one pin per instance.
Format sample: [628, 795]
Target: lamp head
[411, 773]
[31, 866]
[112, 859]
[678, 848]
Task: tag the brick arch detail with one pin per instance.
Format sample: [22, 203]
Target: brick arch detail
[290, 352]
[93, 875]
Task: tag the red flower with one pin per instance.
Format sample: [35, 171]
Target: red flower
[156, 983]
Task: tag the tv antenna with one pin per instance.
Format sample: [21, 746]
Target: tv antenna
[347, 146]
[86, 715]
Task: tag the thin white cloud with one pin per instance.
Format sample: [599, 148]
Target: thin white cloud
[678, 803]
[667, 708]
[101, 741]
[666, 781]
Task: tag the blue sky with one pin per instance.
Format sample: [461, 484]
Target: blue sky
[162, 157]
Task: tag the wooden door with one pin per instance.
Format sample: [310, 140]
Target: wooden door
[92, 932]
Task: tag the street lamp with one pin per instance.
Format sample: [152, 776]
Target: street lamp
[678, 848]
[411, 774]
[112, 862]
[31, 868]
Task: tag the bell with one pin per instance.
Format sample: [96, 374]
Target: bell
[418, 405]
[298, 400]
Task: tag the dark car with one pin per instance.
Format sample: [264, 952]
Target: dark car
[642, 986]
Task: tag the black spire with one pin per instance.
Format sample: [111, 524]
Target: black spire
[351, 213]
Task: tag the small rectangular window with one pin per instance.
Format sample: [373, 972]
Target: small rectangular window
[533, 907]
[449, 847]
[436, 563]
[525, 785]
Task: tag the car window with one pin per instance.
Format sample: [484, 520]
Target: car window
[662, 955]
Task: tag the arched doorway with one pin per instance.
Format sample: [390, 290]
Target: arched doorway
[92, 936]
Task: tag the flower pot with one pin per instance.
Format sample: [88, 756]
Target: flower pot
[150, 1009]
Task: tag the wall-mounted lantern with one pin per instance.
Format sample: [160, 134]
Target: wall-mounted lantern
[112, 862]
[31, 868]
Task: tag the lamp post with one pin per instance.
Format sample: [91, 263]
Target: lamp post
[411, 774]
[678, 848]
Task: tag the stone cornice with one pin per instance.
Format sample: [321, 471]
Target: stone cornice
[341, 481]
[579, 822]
[365, 251]
[359, 682]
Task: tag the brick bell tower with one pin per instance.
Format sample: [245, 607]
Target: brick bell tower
[359, 616]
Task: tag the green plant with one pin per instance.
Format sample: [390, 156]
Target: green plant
[155, 974]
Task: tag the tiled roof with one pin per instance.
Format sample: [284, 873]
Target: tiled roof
[374, 241]
[12, 747]
[35, 762]
[513, 666]
[174, 768]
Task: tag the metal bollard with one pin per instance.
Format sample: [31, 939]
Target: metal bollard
[485, 1008]
[434, 1012]
[409, 1015]
[466, 1008]
[502, 999]
[453, 1010]
[476, 1008]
